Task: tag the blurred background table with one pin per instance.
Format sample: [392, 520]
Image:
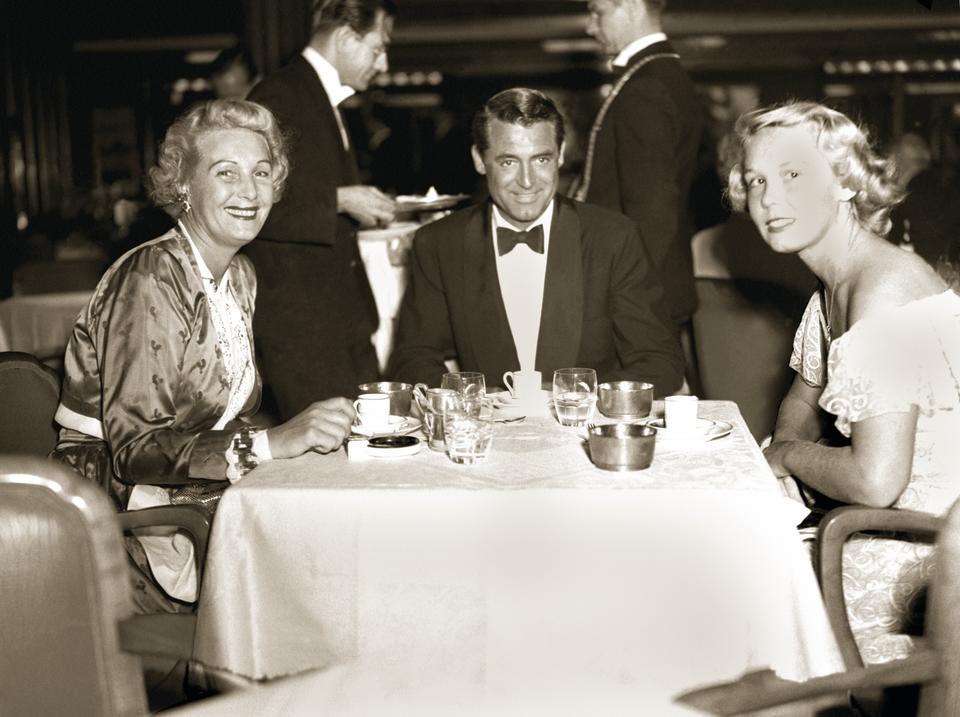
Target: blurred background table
[384, 254]
[40, 324]
[531, 570]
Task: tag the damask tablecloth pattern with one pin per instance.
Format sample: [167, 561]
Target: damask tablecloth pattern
[529, 571]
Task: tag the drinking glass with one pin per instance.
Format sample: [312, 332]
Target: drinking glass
[468, 431]
[574, 395]
[434, 404]
[468, 384]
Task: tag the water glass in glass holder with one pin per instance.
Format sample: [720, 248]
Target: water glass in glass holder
[468, 384]
[574, 395]
[468, 431]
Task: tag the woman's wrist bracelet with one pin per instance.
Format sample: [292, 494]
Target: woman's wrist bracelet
[247, 450]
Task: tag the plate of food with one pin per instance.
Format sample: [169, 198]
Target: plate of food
[429, 202]
[704, 430]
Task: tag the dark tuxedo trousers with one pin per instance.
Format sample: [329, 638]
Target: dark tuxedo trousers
[315, 311]
[643, 166]
[602, 303]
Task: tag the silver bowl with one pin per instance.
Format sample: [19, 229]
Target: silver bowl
[621, 446]
[625, 399]
[400, 395]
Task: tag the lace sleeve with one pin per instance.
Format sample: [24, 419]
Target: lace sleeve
[869, 374]
[809, 344]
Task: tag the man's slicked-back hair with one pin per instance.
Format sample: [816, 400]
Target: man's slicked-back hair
[518, 105]
[359, 15]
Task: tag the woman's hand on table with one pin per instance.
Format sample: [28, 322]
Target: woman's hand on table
[775, 454]
[321, 426]
[368, 205]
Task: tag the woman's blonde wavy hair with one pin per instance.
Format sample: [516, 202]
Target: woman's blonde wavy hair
[845, 145]
[178, 154]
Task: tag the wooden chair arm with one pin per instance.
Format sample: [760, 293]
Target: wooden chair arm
[191, 518]
[761, 690]
[834, 531]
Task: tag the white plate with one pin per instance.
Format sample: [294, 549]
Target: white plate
[706, 430]
[398, 425]
[506, 406]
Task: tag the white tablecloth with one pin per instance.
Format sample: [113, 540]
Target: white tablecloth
[40, 324]
[388, 279]
[528, 572]
[363, 690]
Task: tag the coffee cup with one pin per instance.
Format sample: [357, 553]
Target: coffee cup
[524, 386]
[680, 413]
[373, 410]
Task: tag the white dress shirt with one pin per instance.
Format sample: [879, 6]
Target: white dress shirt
[641, 43]
[330, 79]
[522, 273]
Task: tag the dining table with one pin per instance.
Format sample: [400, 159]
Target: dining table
[40, 324]
[529, 575]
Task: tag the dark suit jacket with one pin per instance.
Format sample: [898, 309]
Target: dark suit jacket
[643, 166]
[602, 303]
[315, 311]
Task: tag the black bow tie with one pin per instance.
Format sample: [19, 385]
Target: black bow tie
[507, 239]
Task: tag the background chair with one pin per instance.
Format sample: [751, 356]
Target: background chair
[30, 393]
[935, 666]
[750, 301]
[53, 277]
[66, 613]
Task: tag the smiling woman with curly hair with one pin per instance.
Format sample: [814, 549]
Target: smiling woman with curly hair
[877, 351]
[160, 381]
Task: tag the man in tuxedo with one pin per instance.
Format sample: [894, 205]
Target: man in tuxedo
[315, 311]
[531, 279]
[642, 149]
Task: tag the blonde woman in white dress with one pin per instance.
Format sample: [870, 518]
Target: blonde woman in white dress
[877, 353]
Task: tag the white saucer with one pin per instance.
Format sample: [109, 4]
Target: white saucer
[398, 424]
[706, 430]
[506, 406]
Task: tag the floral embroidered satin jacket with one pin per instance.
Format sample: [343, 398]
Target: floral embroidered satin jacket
[143, 367]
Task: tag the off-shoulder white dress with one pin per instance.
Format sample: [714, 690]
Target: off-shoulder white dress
[886, 363]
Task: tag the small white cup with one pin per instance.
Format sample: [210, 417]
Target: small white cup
[680, 413]
[524, 386]
[373, 410]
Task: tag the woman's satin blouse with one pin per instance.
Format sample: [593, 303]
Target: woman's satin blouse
[143, 361]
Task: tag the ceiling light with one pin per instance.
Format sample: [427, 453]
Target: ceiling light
[200, 57]
[573, 45]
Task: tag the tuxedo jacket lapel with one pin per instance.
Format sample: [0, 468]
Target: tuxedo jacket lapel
[561, 318]
[489, 329]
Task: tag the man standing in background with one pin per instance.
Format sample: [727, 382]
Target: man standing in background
[315, 311]
[642, 149]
